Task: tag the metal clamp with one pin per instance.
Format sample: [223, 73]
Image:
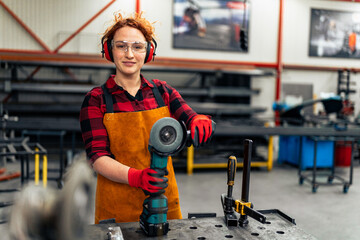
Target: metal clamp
[239, 206]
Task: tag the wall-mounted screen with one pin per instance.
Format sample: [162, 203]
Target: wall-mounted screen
[211, 25]
[334, 34]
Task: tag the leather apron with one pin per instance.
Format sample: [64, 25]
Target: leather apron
[129, 134]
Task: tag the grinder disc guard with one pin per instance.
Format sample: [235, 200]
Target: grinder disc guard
[166, 135]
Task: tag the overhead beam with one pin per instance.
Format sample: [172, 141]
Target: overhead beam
[83, 26]
[26, 28]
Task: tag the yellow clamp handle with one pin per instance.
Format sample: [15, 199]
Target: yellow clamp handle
[239, 206]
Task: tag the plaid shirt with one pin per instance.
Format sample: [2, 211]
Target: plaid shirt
[93, 109]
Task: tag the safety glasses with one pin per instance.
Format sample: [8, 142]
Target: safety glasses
[137, 47]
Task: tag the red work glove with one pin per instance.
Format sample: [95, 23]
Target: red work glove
[201, 130]
[150, 180]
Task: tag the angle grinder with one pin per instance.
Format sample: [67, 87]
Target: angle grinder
[167, 137]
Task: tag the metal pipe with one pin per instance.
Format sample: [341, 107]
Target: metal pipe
[137, 6]
[318, 68]
[216, 62]
[353, 1]
[246, 170]
[246, 179]
[279, 53]
[34, 55]
[279, 65]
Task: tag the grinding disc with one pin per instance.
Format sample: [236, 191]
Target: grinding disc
[166, 135]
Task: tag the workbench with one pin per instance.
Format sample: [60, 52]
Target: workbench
[276, 227]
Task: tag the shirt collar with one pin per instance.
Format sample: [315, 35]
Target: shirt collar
[145, 82]
[113, 87]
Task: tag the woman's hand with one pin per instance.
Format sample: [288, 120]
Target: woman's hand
[152, 181]
[202, 129]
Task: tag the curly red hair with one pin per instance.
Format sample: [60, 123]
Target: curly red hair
[136, 21]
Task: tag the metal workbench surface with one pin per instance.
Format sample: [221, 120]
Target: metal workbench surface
[215, 228]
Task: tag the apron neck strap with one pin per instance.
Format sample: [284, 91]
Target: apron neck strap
[157, 95]
[108, 99]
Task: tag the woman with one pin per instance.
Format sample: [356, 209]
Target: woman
[116, 120]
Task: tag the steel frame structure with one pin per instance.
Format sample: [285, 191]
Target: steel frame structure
[278, 65]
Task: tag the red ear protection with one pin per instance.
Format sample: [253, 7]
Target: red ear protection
[150, 50]
[107, 50]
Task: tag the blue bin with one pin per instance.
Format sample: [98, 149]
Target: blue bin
[289, 151]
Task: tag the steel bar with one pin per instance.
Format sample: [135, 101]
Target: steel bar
[279, 63]
[159, 67]
[246, 170]
[137, 6]
[351, 162]
[224, 108]
[243, 221]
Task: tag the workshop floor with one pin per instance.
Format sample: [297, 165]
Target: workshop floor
[327, 214]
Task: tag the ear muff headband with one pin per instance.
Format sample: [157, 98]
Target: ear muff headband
[150, 50]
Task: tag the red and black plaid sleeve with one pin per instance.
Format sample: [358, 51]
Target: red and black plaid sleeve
[93, 130]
